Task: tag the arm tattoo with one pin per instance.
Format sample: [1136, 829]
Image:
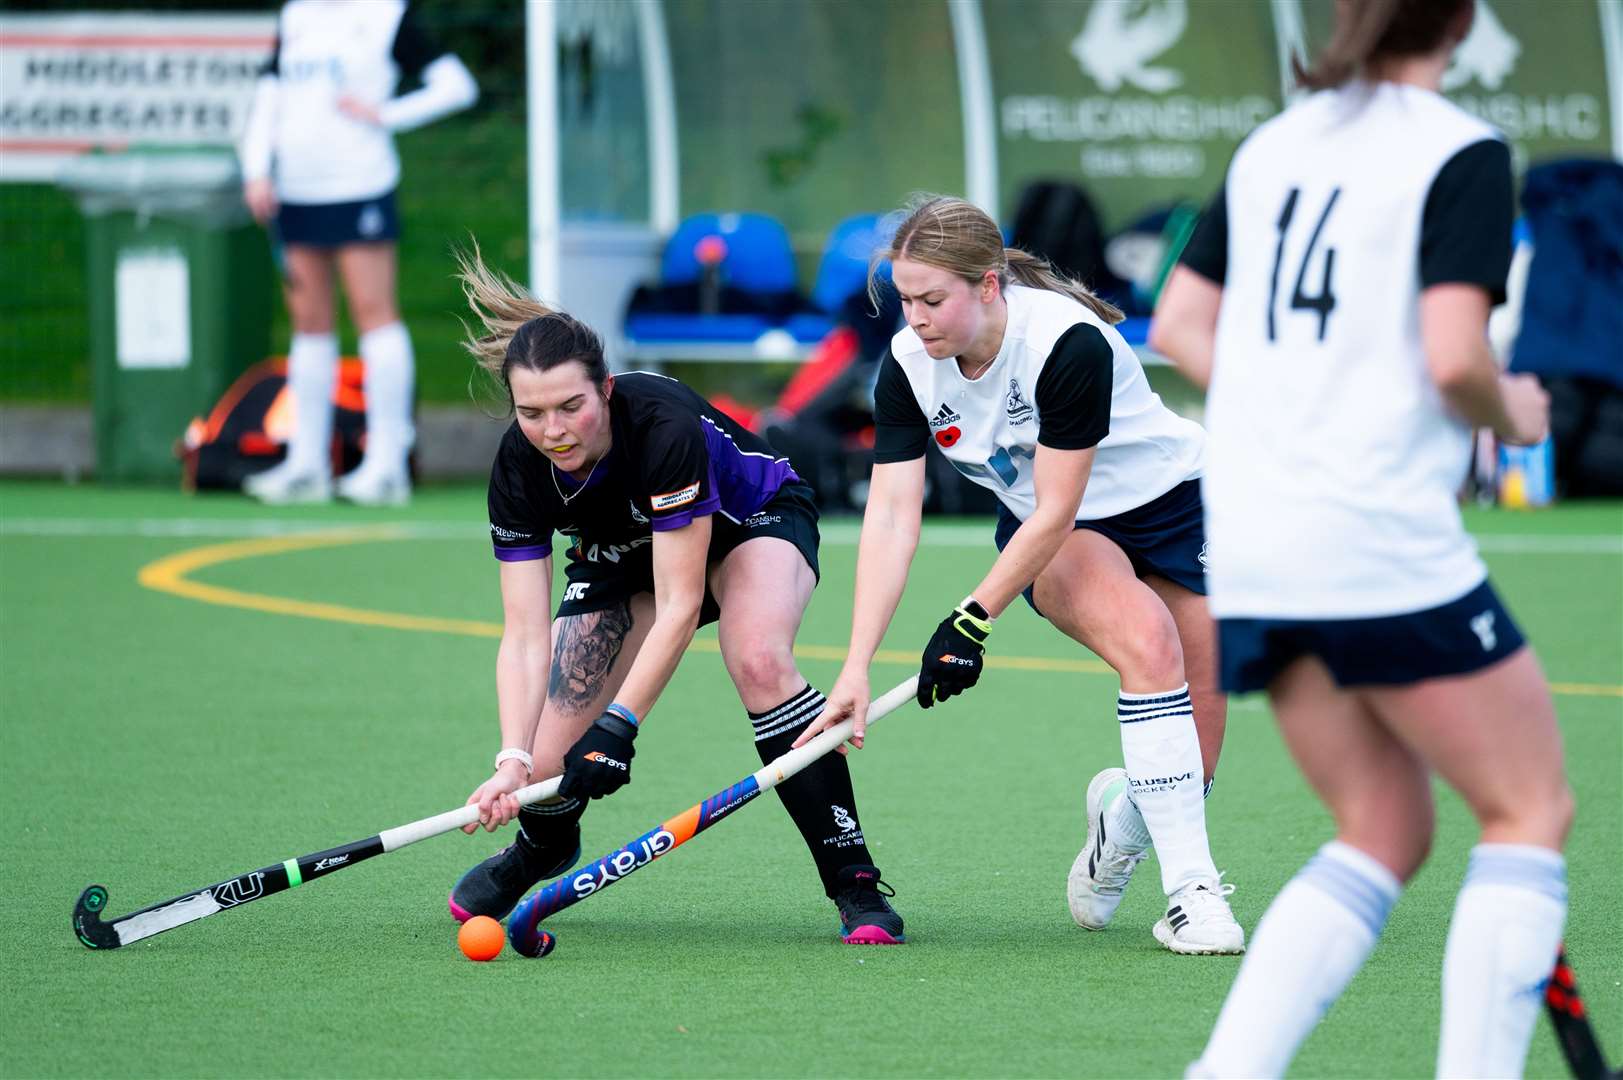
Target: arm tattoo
[587, 648]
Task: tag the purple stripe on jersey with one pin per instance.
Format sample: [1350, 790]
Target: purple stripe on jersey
[523, 554]
[743, 481]
[678, 518]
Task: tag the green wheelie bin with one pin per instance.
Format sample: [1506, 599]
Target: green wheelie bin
[181, 287]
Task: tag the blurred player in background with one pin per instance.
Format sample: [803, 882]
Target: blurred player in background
[320, 167]
[1336, 297]
[1019, 378]
[677, 517]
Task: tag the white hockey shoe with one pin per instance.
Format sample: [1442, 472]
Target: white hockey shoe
[287, 484]
[1103, 867]
[1198, 921]
[375, 487]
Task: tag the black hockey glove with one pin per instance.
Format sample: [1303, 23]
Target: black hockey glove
[952, 660]
[599, 763]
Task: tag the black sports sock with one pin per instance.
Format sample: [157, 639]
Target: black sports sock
[819, 798]
[549, 825]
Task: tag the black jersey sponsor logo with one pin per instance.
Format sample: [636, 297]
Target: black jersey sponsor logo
[637, 515]
[610, 553]
[943, 417]
[1019, 409]
[506, 534]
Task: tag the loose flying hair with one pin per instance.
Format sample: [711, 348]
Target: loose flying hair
[959, 237]
[1371, 30]
[520, 331]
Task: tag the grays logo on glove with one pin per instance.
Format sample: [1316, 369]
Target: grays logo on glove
[952, 660]
[599, 763]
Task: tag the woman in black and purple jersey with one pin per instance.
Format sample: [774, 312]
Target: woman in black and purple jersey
[675, 516]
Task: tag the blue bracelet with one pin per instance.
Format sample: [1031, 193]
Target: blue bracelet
[623, 713]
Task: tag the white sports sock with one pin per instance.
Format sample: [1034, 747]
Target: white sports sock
[1124, 824]
[390, 371]
[1308, 946]
[1161, 751]
[1501, 949]
[312, 368]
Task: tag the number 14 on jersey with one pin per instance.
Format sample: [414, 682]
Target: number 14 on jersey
[1325, 301]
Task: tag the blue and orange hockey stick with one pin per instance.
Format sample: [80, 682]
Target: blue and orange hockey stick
[524, 928]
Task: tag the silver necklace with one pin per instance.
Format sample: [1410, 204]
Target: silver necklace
[980, 370]
[568, 498]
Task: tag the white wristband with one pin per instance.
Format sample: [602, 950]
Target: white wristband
[513, 753]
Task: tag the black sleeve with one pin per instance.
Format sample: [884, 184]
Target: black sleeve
[1074, 389]
[1470, 211]
[900, 431]
[676, 470]
[413, 48]
[273, 62]
[1207, 252]
[518, 526]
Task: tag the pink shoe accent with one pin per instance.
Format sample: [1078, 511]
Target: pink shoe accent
[457, 912]
[870, 935]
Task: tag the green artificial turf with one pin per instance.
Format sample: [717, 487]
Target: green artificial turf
[157, 744]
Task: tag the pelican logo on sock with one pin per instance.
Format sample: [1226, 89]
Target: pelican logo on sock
[1482, 627]
[843, 818]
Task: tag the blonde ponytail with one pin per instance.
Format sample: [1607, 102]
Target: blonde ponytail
[1039, 273]
[959, 237]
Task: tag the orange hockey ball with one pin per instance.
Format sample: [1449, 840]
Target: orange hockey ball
[481, 938]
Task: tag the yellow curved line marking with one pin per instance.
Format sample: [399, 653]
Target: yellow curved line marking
[169, 575]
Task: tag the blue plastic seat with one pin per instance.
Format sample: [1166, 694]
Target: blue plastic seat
[842, 273]
[758, 259]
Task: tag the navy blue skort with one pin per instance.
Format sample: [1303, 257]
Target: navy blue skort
[1166, 537]
[1456, 638]
[329, 225]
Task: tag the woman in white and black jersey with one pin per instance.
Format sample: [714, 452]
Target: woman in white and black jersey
[1336, 297]
[676, 517]
[320, 171]
[1019, 378]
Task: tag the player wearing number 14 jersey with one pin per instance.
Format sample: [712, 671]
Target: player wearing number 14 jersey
[1337, 300]
[1018, 376]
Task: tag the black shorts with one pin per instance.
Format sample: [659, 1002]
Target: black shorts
[1455, 638]
[1166, 536]
[336, 224]
[601, 583]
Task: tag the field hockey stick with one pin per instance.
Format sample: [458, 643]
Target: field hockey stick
[1571, 1023]
[268, 880]
[524, 928]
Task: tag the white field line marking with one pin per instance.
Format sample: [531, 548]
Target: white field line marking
[839, 533]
